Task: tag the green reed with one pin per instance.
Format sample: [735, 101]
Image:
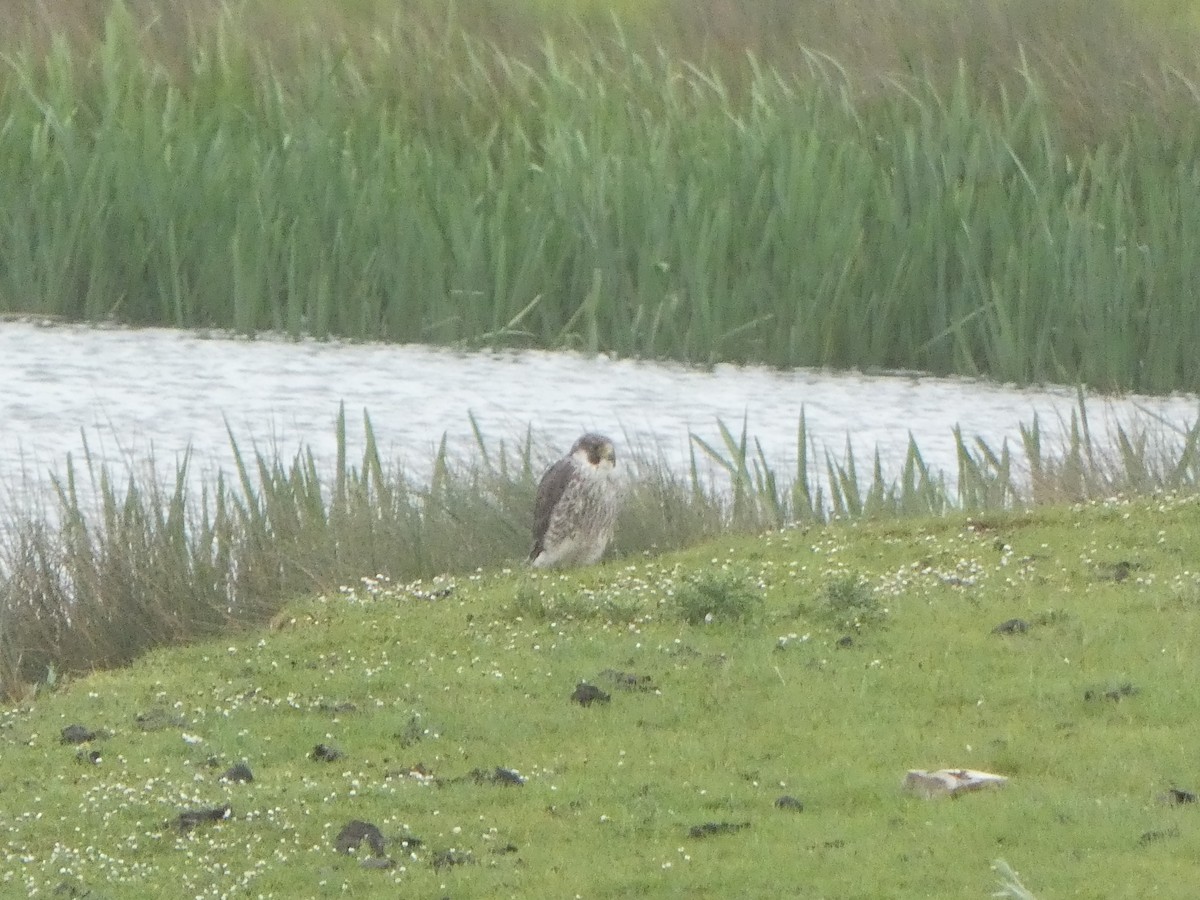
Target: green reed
[107, 568]
[600, 192]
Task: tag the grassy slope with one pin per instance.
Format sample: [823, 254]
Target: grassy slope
[481, 678]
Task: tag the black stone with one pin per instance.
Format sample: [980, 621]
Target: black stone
[710, 829]
[325, 753]
[505, 777]
[1012, 626]
[356, 831]
[76, 734]
[586, 694]
[239, 774]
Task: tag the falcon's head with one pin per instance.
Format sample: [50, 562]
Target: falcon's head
[595, 450]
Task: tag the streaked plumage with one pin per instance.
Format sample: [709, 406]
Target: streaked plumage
[576, 506]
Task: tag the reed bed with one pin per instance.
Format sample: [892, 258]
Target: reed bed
[956, 195]
[110, 567]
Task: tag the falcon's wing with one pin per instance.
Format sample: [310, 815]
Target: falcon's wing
[550, 490]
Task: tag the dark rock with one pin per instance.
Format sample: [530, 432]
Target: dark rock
[789, 802]
[325, 753]
[189, 819]
[586, 694]
[76, 734]
[89, 757]
[238, 774]
[845, 641]
[356, 831]
[505, 777]
[1012, 626]
[710, 829]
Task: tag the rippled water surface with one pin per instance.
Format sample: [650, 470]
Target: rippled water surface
[130, 392]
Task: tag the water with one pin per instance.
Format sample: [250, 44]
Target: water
[136, 393]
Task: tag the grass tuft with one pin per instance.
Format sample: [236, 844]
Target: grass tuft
[850, 603]
[542, 605]
[719, 597]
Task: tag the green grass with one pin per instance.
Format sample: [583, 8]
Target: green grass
[449, 677]
[717, 597]
[973, 194]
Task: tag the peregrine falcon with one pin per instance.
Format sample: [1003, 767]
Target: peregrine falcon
[576, 507]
